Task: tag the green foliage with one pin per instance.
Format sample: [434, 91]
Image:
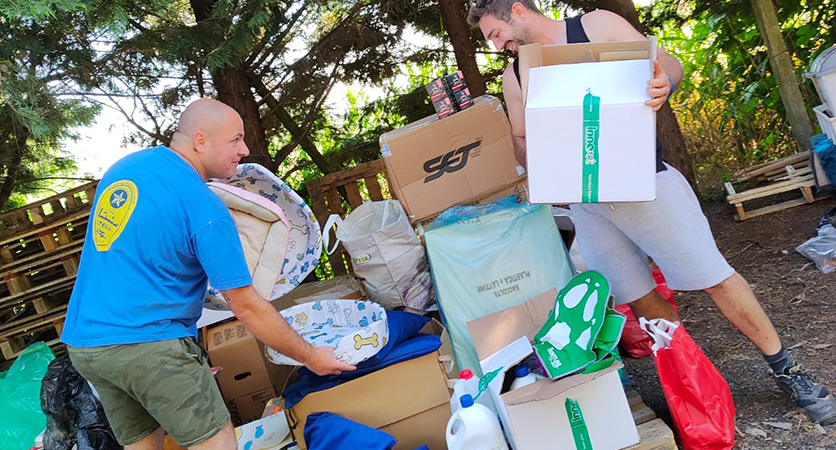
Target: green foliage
[728, 105]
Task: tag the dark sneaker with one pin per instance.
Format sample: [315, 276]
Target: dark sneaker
[808, 394]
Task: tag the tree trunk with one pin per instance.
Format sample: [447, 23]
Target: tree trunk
[234, 90]
[453, 17]
[667, 128]
[782, 68]
[296, 133]
[12, 167]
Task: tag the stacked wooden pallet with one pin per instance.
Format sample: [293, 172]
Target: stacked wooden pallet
[40, 246]
[786, 174]
[654, 433]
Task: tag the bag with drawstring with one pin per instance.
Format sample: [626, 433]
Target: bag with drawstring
[385, 254]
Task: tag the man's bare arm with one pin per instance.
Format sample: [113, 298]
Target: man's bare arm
[269, 327]
[516, 112]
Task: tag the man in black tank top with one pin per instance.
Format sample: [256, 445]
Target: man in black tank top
[616, 239]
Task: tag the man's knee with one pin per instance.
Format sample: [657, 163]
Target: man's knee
[727, 286]
[653, 306]
[222, 440]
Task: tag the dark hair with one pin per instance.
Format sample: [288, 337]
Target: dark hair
[501, 9]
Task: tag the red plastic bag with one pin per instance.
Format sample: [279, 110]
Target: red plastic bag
[634, 341]
[698, 397]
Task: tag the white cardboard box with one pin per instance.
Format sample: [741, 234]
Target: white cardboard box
[556, 79]
[534, 417]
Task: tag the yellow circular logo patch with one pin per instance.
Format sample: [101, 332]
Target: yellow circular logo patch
[113, 209]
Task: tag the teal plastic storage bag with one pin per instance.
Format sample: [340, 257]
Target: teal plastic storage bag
[488, 258]
[20, 398]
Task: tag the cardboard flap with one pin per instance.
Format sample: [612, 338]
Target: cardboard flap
[493, 332]
[546, 389]
[536, 55]
[575, 80]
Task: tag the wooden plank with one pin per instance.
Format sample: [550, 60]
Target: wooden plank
[786, 188]
[352, 191]
[633, 397]
[320, 210]
[19, 326]
[66, 220]
[654, 435]
[335, 204]
[37, 291]
[643, 415]
[763, 168]
[772, 188]
[73, 248]
[365, 170]
[375, 193]
[778, 207]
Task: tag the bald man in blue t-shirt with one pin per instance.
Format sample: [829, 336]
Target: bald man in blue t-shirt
[157, 235]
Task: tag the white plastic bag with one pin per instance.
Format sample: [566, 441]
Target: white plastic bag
[821, 249]
[385, 254]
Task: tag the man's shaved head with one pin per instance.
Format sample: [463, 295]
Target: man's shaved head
[203, 115]
[210, 135]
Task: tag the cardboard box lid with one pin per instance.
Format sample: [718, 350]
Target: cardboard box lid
[537, 55]
[578, 79]
[495, 331]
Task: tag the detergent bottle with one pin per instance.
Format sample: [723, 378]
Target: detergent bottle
[474, 427]
[466, 384]
[524, 377]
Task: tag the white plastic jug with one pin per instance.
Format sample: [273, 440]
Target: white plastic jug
[524, 377]
[474, 427]
[468, 384]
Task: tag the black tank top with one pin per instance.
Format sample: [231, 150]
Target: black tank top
[576, 35]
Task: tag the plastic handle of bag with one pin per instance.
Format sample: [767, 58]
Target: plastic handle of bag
[661, 338]
[334, 219]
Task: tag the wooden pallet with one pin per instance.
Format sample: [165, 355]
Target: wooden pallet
[804, 182]
[36, 242]
[653, 432]
[326, 199]
[17, 335]
[47, 211]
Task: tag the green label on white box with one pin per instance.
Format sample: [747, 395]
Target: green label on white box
[591, 131]
[579, 431]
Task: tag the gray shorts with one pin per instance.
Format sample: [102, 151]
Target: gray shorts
[615, 239]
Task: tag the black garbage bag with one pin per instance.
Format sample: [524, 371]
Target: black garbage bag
[73, 413]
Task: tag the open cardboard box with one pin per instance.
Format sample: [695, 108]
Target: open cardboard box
[409, 400]
[564, 163]
[534, 417]
[247, 380]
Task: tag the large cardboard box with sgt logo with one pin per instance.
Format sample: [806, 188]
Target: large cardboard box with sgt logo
[590, 138]
[434, 164]
[247, 380]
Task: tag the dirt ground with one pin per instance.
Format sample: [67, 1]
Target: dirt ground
[799, 299]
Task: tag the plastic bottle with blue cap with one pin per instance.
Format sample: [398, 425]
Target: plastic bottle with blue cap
[468, 383]
[474, 427]
[524, 377]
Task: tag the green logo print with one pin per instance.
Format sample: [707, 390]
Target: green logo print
[591, 130]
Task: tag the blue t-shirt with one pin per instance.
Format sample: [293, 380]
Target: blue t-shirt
[156, 236]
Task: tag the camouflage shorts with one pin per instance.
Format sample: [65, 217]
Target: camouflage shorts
[145, 386]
